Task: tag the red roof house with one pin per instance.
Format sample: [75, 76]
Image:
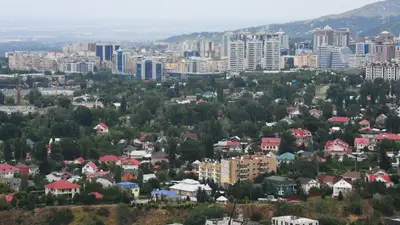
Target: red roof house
[130, 164]
[339, 120]
[303, 137]
[9, 197]
[361, 143]
[62, 187]
[388, 136]
[109, 159]
[8, 171]
[316, 113]
[327, 181]
[337, 148]
[270, 144]
[101, 128]
[90, 167]
[23, 169]
[364, 124]
[380, 177]
[96, 194]
[233, 146]
[79, 161]
[128, 177]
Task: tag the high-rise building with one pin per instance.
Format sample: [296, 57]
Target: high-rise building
[340, 57]
[397, 51]
[323, 36]
[254, 52]
[106, 51]
[272, 54]
[225, 44]
[342, 37]
[384, 52]
[121, 59]
[149, 69]
[303, 48]
[324, 53]
[236, 56]
[206, 48]
[283, 39]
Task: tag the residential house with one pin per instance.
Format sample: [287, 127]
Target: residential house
[286, 157]
[90, 167]
[364, 124]
[387, 136]
[380, 121]
[190, 135]
[79, 161]
[327, 181]
[337, 147]
[108, 159]
[308, 183]
[157, 195]
[270, 144]
[23, 169]
[8, 171]
[303, 137]
[133, 187]
[128, 177]
[105, 183]
[147, 177]
[316, 113]
[298, 101]
[185, 100]
[292, 220]
[342, 186]
[339, 120]
[361, 143]
[62, 187]
[293, 112]
[380, 176]
[159, 157]
[189, 188]
[15, 183]
[283, 186]
[101, 128]
[228, 146]
[351, 176]
[137, 154]
[148, 147]
[130, 164]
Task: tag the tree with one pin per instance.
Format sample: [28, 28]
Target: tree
[34, 95]
[10, 101]
[123, 106]
[198, 215]
[64, 102]
[117, 174]
[123, 214]
[61, 217]
[288, 143]
[340, 196]
[2, 98]
[83, 116]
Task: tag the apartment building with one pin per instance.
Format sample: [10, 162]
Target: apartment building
[272, 54]
[236, 56]
[386, 71]
[210, 170]
[253, 54]
[305, 61]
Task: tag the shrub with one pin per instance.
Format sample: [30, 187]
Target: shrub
[61, 217]
[256, 216]
[103, 212]
[124, 216]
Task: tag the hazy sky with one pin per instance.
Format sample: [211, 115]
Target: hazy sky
[266, 11]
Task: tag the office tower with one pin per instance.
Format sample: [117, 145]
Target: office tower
[253, 54]
[149, 69]
[283, 38]
[106, 51]
[340, 57]
[323, 37]
[324, 53]
[342, 37]
[199, 65]
[236, 56]
[272, 54]
[225, 44]
[121, 60]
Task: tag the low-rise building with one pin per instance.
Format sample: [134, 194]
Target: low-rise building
[270, 144]
[8, 171]
[101, 128]
[292, 220]
[90, 167]
[337, 148]
[133, 187]
[189, 188]
[342, 186]
[308, 183]
[303, 137]
[282, 185]
[62, 187]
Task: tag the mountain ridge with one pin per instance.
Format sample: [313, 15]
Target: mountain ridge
[367, 20]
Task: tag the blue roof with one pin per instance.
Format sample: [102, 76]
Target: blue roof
[128, 184]
[286, 156]
[166, 193]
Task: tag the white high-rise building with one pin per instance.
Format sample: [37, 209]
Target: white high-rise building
[236, 56]
[272, 54]
[342, 37]
[253, 54]
[225, 44]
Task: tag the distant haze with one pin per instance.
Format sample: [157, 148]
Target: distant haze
[160, 18]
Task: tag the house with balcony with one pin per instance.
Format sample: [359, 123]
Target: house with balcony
[63, 188]
[361, 143]
[8, 171]
[270, 144]
[283, 186]
[303, 137]
[337, 147]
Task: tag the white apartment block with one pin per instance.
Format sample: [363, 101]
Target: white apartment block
[386, 71]
[236, 56]
[272, 54]
[292, 220]
[253, 54]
